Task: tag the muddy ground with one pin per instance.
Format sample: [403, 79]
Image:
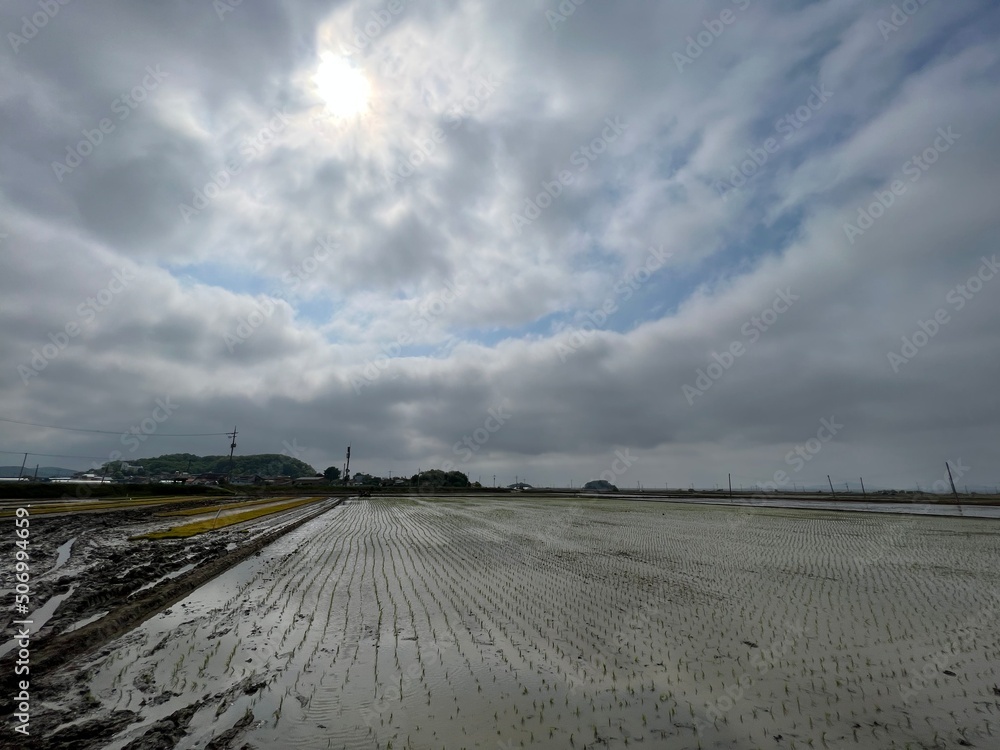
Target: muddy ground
[111, 583]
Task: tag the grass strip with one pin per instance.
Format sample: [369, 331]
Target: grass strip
[38, 509]
[215, 508]
[198, 527]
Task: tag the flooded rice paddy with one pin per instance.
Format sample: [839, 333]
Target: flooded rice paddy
[498, 623]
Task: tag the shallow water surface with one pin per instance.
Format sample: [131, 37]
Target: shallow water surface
[508, 623]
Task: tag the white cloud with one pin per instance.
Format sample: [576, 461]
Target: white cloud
[430, 283]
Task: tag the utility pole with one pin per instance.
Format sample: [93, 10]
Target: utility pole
[21, 472]
[832, 491]
[950, 479]
[863, 492]
[347, 467]
[35, 478]
[232, 449]
[730, 485]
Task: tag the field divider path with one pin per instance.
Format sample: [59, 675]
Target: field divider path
[89, 638]
[237, 505]
[41, 508]
[199, 527]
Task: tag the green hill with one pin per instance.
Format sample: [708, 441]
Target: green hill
[264, 464]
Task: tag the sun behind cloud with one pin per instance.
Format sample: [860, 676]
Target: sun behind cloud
[344, 88]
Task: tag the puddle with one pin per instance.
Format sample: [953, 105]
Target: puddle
[85, 621]
[167, 577]
[62, 555]
[38, 618]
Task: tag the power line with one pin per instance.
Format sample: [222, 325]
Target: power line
[114, 432]
[52, 455]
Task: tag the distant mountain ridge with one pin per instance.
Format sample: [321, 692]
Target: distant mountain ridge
[43, 471]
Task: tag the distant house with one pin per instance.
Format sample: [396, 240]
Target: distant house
[267, 481]
[207, 478]
[310, 480]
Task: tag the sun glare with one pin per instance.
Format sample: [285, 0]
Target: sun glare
[343, 88]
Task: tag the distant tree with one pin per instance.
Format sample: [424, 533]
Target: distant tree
[438, 478]
[267, 464]
[332, 473]
[600, 485]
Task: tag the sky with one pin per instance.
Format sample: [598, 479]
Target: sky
[657, 243]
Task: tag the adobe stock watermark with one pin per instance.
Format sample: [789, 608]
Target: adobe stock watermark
[224, 7]
[133, 438]
[139, 433]
[587, 673]
[221, 178]
[620, 464]
[470, 445]
[563, 11]
[762, 660]
[292, 449]
[942, 486]
[291, 280]
[914, 168]
[796, 459]
[623, 290]
[957, 297]
[581, 158]
[801, 455]
[378, 21]
[123, 106]
[895, 533]
[900, 16]
[939, 661]
[787, 125]
[752, 330]
[455, 116]
[33, 24]
[419, 322]
[714, 28]
[87, 311]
